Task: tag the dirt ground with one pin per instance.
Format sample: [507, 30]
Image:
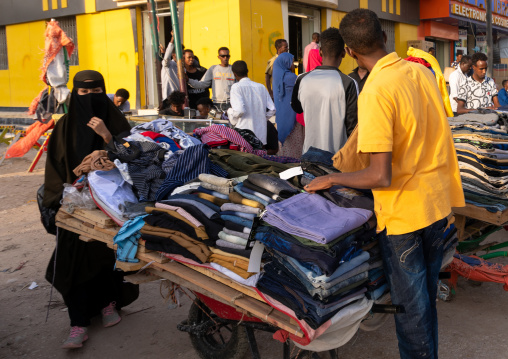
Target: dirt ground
[472, 325]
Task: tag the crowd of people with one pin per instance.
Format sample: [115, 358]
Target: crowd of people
[388, 110]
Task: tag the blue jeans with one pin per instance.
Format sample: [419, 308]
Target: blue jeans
[412, 262]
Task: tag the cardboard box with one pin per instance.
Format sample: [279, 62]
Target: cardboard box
[420, 44]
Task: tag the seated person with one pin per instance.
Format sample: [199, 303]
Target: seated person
[204, 105]
[120, 100]
[173, 105]
[479, 90]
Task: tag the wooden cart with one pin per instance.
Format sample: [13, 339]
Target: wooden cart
[221, 304]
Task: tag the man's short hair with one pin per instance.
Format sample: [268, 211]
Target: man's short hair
[223, 48]
[122, 93]
[188, 50]
[315, 35]
[240, 68]
[479, 56]
[465, 59]
[361, 31]
[332, 44]
[432, 48]
[278, 43]
[176, 98]
[205, 101]
[504, 82]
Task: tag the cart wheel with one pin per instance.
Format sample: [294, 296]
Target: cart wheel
[221, 341]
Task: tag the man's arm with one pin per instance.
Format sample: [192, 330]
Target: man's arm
[461, 99]
[268, 82]
[461, 107]
[270, 106]
[377, 175]
[296, 105]
[205, 82]
[351, 119]
[237, 109]
[495, 99]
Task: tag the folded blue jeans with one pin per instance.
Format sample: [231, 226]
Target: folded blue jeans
[127, 240]
[320, 280]
[249, 216]
[239, 189]
[238, 220]
[315, 218]
[213, 193]
[258, 194]
[412, 263]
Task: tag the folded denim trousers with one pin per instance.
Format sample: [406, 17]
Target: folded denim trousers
[313, 217]
[238, 220]
[239, 189]
[248, 216]
[240, 208]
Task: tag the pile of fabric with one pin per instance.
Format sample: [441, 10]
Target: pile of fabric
[481, 142]
[228, 138]
[317, 265]
[208, 207]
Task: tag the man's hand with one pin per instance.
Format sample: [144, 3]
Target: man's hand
[318, 184]
[100, 128]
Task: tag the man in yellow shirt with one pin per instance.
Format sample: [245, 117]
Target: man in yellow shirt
[413, 174]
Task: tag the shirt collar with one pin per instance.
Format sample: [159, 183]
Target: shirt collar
[245, 79]
[382, 63]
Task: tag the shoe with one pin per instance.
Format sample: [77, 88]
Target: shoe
[110, 316]
[76, 338]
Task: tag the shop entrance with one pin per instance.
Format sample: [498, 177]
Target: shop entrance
[150, 79]
[303, 22]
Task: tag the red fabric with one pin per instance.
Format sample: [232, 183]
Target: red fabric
[33, 133]
[152, 135]
[314, 61]
[219, 133]
[418, 61]
[486, 272]
[281, 335]
[300, 119]
[56, 39]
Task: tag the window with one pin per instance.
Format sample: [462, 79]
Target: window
[68, 25]
[389, 29]
[4, 63]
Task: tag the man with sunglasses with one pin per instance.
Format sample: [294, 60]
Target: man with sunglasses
[220, 78]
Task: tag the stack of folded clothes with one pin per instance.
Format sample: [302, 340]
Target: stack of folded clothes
[317, 265]
[482, 152]
[175, 231]
[315, 163]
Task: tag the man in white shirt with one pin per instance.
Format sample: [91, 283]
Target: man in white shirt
[458, 78]
[313, 45]
[251, 104]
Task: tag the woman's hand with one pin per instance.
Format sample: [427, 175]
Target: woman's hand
[100, 128]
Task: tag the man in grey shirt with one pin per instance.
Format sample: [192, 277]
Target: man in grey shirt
[327, 97]
[220, 78]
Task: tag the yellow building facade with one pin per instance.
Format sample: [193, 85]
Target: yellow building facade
[115, 37]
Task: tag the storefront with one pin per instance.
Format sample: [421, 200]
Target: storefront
[459, 27]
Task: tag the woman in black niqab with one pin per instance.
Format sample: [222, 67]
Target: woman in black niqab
[82, 272]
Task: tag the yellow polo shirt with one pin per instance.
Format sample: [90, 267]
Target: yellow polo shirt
[400, 110]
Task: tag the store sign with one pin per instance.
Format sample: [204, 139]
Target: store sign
[475, 10]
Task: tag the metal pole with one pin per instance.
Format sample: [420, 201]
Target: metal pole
[490, 43]
[156, 44]
[178, 48]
